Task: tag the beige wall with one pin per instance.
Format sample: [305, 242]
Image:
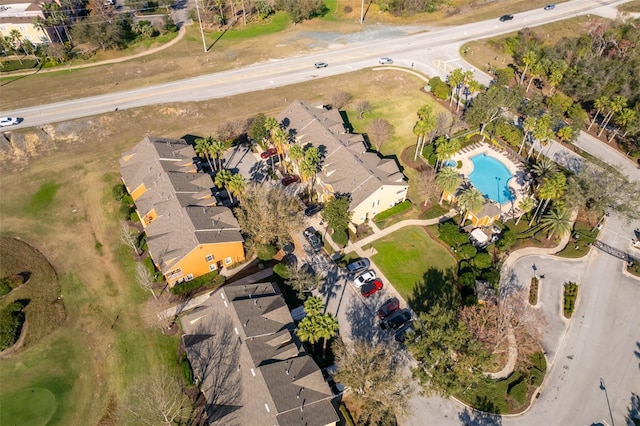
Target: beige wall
[28, 32]
[384, 198]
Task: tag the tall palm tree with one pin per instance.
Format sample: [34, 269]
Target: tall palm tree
[528, 60]
[557, 222]
[455, 79]
[308, 330]
[203, 150]
[445, 149]
[618, 103]
[552, 189]
[296, 153]
[222, 179]
[525, 205]
[467, 76]
[279, 139]
[236, 186]
[327, 328]
[448, 180]
[420, 130]
[623, 119]
[601, 104]
[528, 126]
[544, 168]
[470, 200]
[216, 150]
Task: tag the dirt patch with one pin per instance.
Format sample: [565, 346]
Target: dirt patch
[45, 311]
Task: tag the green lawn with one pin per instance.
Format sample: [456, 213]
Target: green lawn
[581, 246]
[32, 406]
[406, 255]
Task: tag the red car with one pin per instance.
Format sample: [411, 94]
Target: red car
[371, 287]
[289, 179]
[389, 307]
[269, 153]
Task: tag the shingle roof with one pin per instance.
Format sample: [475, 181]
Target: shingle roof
[180, 197]
[347, 166]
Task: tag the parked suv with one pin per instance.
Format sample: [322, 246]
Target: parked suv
[388, 308]
[312, 237]
[396, 320]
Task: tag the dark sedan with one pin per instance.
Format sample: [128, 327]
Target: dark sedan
[505, 18]
[313, 209]
[396, 320]
[289, 179]
[269, 153]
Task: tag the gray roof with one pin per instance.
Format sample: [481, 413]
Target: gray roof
[181, 198]
[347, 165]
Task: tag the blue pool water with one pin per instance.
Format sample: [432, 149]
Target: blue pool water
[450, 163]
[491, 177]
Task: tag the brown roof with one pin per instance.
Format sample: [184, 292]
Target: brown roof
[347, 165]
[180, 197]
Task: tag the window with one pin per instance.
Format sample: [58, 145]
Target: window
[22, 28]
[212, 267]
[362, 218]
[176, 273]
[209, 258]
[3, 28]
[227, 260]
[188, 277]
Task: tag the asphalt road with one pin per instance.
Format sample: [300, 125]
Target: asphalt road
[433, 53]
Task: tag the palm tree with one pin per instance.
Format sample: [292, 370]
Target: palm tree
[314, 306]
[623, 119]
[552, 189]
[542, 133]
[420, 130]
[528, 60]
[557, 222]
[525, 205]
[602, 103]
[448, 180]
[544, 168]
[327, 328]
[445, 149]
[455, 79]
[236, 185]
[565, 133]
[296, 153]
[467, 76]
[216, 150]
[203, 150]
[470, 200]
[618, 103]
[222, 179]
[528, 126]
[279, 140]
[308, 330]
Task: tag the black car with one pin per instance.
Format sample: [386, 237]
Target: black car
[505, 18]
[401, 333]
[312, 237]
[396, 320]
[313, 209]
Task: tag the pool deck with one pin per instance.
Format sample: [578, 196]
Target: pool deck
[517, 171]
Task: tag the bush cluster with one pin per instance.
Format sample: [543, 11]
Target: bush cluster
[439, 88]
[7, 284]
[11, 320]
[266, 251]
[570, 295]
[533, 291]
[397, 209]
[210, 280]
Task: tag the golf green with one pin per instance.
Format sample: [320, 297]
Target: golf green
[30, 406]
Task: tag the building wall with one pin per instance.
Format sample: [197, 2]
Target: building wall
[27, 30]
[384, 198]
[197, 264]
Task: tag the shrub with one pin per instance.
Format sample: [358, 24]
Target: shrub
[340, 237]
[397, 209]
[570, 295]
[518, 391]
[282, 271]
[210, 280]
[124, 212]
[449, 232]
[11, 321]
[186, 371]
[504, 76]
[491, 275]
[507, 240]
[429, 154]
[533, 291]
[266, 251]
[5, 287]
[482, 260]
[118, 191]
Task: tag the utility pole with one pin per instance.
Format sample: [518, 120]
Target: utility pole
[362, 13]
[204, 43]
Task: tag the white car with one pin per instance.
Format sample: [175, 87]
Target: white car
[9, 121]
[364, 277]
[385, 61]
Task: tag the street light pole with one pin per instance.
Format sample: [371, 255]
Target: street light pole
[204, 43]
[362, 13]
[498, 182]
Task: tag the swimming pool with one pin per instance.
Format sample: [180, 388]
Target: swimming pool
[491, 177]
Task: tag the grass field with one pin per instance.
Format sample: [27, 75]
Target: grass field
[33, 406]
[406, 255]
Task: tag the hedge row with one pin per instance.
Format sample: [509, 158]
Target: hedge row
[210, 280]
[570, 295]
[397, 209]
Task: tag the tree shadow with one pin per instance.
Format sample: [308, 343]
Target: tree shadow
[363, 322]
[633, 414]
[470, 417]
[436, 288]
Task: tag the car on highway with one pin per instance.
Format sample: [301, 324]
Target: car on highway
[9, 121]
[312, 237]
[550, 6]
[384, 61]
[289, 179]
[364, 277]
[313, 209]
[321, 65]
[396, 320]
[390, 306]
[371, 287]
[358, 265]
[268, 153]
[505, 18]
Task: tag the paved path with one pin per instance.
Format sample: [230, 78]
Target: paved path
[594, 146]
